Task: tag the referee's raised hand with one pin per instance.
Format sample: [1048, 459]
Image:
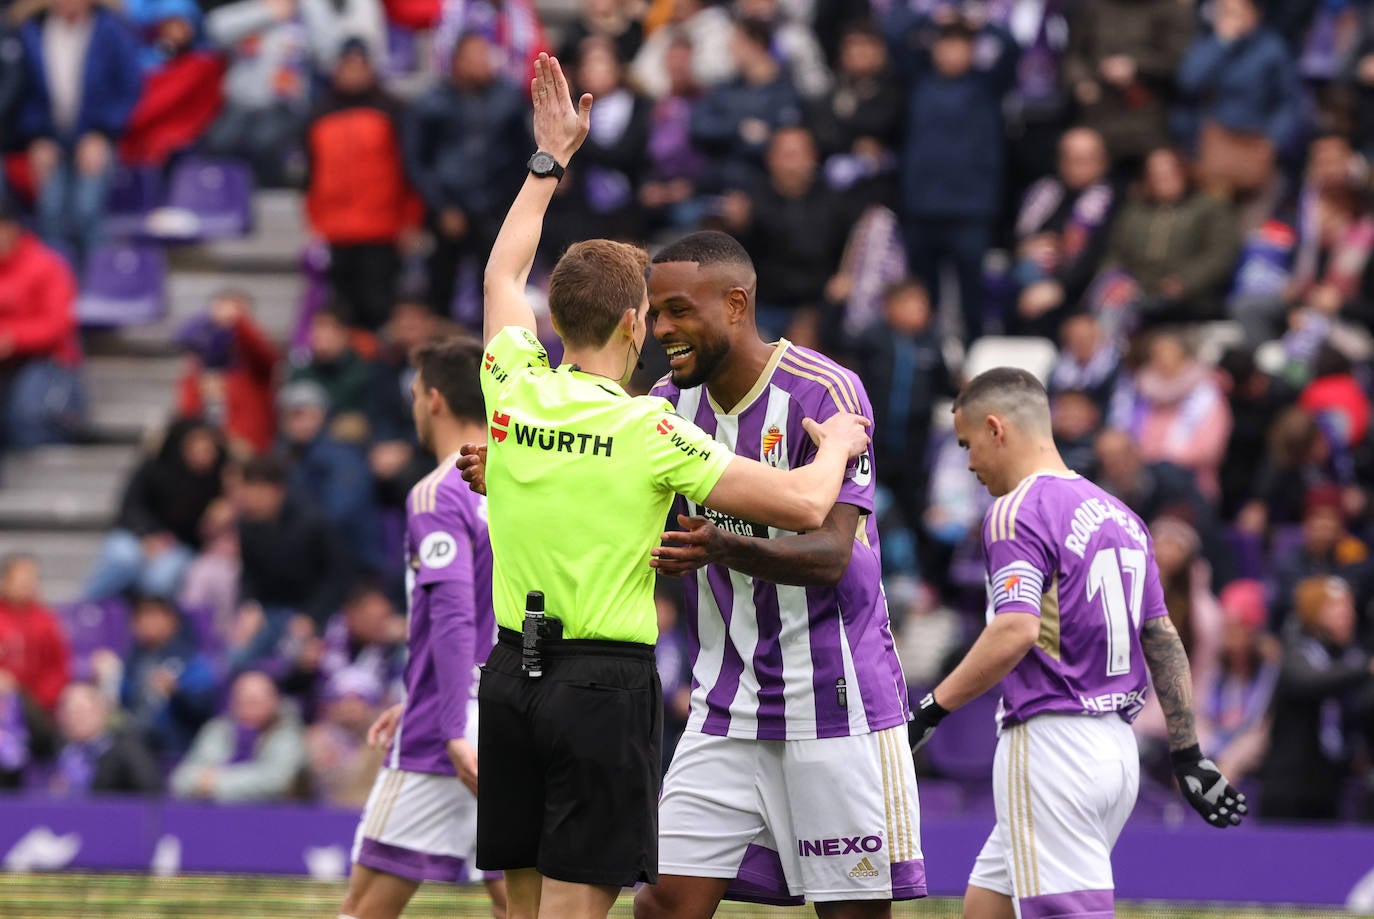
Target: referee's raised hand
[559, 127]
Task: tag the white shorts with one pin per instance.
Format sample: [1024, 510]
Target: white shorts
[820, 820]
[1064, 786]
[418, 826]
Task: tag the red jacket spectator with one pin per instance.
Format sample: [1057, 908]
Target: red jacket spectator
[37, 295]
[32, 646]
[358, 191]
[230, 374]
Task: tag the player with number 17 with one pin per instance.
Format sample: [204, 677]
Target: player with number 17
[1077, 626]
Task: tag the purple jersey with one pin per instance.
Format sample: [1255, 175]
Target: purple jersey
[1060, 548]
[780, 662]
[451, 624]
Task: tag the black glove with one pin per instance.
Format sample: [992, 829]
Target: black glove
[924, 721]
[1207, 789]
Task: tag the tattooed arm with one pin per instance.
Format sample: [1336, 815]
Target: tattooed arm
[1173, 681]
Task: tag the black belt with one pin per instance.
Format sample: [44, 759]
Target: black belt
[569, 647]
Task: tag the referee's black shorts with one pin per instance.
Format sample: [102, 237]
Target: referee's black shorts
[569, 763]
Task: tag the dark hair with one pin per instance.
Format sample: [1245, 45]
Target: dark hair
[592, 286]
[1331, 361]
[707, 247]
[904, 286]
[1003, 384]
[264, 470]
[862, 28]
[452, 366]
[757, 31]
[1181, 161]
[147, 602]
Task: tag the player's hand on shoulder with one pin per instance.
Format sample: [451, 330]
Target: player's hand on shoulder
[464, 757]
[472, 463]
[845, 428]
[383, 730]
[700, 542]
[1206, 789]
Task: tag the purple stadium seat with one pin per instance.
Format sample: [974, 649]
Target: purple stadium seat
[134, 191]
[1284, 543]
[217, 193]
[123, 285]
[402, 50]
[201, 621]
[1248, 551]
[91, 625]
[964, 745]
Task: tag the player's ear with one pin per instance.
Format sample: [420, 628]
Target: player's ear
[736, 304]
[996, 428]
[434, 402]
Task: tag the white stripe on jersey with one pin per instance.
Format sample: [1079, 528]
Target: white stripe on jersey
[744, 624]
[393, 756]
[854, 702]
[706, 668]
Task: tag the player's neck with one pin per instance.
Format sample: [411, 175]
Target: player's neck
[449, 436]
[610, 362]
[1038, 457]
[739, 372]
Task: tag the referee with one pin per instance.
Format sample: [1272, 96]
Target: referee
[579, 478]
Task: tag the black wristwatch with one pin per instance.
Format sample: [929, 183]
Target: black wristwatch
[544, 165]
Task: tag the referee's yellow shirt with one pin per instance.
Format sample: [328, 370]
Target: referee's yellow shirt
[580, 476]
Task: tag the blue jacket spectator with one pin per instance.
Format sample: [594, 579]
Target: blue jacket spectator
[110, 81]
[732, 122]
[1241, 77]
[170, 687]
[457, 141]
[13, 80]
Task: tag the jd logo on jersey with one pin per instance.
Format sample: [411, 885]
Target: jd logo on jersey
[500, 426]
[438, 550]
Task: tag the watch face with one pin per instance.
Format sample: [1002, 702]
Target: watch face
[542, 163]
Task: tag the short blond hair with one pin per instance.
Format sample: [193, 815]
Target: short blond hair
[592, 286]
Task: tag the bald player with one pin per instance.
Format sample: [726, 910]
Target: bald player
[1077, 628]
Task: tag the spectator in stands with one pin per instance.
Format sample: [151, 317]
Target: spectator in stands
[1297, 459]
[83, 82]
[929, 633]
[33, 649]
[95, 758]
[1120, 67]
[1061, 233]
[734, 120]
[164, 28]
[327, 473]
[41, 400]
[1337, 398]
[1238, 700]
[951, 160]
[1175, 410]
[1242, 87]
[459, 140]
[26, 732]
[212, 579]
[794, 45]
[292, 562]
[170, 686]
[858, 123]
[367, 636]
[229, 373]
[674, 664]
[1089, 361]
[255, 752]
[1256, 399]
[1358, 77]
[157, 530]
[1075, 422]
[1333, 274]
[1177, 244]
[901, 362]
[341, 764]
[13, 79]
[1327, 548]
[601, 195]
[796, 229]
[512, 27]
[1323, 691]
[674, 166]
[266, 88]
[357, 198]
[340, 371]
[615, 20]
[706, 29]
[1184, 575]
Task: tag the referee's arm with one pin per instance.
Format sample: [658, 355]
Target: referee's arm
[559, 130]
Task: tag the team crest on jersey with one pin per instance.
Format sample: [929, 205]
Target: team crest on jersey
[500, 426]
[772, 446]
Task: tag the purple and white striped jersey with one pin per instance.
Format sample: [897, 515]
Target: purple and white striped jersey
[451, 624]
[779, 662]
[1059, 547]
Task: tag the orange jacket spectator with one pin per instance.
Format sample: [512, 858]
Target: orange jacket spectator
[32, 646]
[358, 191]
[37, 299]
[230, 374]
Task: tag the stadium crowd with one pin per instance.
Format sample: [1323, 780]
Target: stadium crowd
[1171, 201]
